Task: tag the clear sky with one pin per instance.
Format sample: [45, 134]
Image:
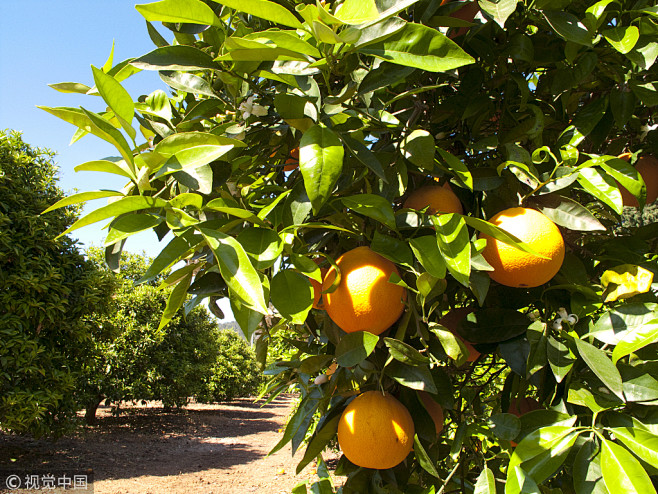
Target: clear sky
[44, 42]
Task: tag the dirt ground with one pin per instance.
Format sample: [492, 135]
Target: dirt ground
[219, 449]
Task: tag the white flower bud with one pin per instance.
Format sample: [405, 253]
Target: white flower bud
[557, 324]
[321, 379]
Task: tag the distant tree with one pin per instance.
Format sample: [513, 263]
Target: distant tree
[137, 359]
[47, 292]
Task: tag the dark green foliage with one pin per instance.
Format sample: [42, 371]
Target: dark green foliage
[47, 290]
[235, 373]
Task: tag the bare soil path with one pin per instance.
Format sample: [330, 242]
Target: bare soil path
[219, 449]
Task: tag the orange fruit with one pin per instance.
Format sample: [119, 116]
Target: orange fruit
[515, 268]
[292, 162]
[451, 320]
[332, 369]
[317, 290]
[376, 431]
[466, 13]
[364, 299]
[647, 167]
[433, 408]
[435, 198]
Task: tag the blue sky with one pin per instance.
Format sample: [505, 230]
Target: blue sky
[44, 42]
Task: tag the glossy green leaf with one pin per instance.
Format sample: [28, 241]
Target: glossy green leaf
[247, 319]
[418, 147]
[116, 97]
[117, 208]
[499, 234]
[568, 27]
[405, 353]
[357, 11]
[614, 325]
[189, 83]
[454, 244]
[82, 197]
[643, 388]
[519, 482]
[364, 155]
[175, 11]
[505, 425]
[105, 166]
[486, 482]
[560, 358]
[289, 40]
[642, 443]
[175, 300]
[601, 365]
[601, 186]
[587, 477]
[125, 226]
[176, 57]
[636, 339]
[70, 87]
[493, 325]
[423, 458]
[458, 167]
[418, 378]
[321, 163]
[264, 246]
[355, 347]
[622, 472]
[292, 295]
[372, 206]
[624, 173]
[426, 250]
[421, 47]
[452, 345]
[236, 269]
[170, 254]
[265, 10]
[622, 38]
[499, 11]
[319, 441]
[568, 213]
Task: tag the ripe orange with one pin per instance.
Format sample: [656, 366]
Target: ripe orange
[317, 290]
[292, 162]
[433, 408]
[364, 299]
[435, 198]
[515, 268]
[647, 167]
[451, 320]
[376, 431]
[466, 13]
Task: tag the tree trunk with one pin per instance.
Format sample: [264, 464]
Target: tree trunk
[90, 411]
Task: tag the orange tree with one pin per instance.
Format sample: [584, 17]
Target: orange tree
[523, 111]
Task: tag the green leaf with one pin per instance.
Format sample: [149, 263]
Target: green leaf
[486, 482]
[125, 226]
[647, 92]
[458, 167]
[70, 87]
[82, 197]
[321, 163]
[355, 347]
[568, 27]
[426, 250]
[319, 441]
[505, 425]
[418, 147]
[265, 10]
[622, 38]
[613, 326]
[499, 234]
[642, 443]
[560, 358]
[587, 475]
[247, 319]
[176, 143]
[635, 339]
[177, 57]
[421, 47]
[418, 378]
[189, 83]
[625, 174]
[499, 11]
[622, 104]
[568, 213]
[641, 389]
[493, 325]
[357, 11]
[423, 458]
[236, 269]
[116, 97]
[105, 166]
[179, 11]
[292, 295]
[393, 249]
[117, 208]
[264, 246]
[622, 472]
[452, 345]
[519, 482]
[288, 40]
[191, 158]
[372, 206]
[601, 365]
[602, 186]
[405, 353]
[175, 301]
[454, 244]
[364, 155]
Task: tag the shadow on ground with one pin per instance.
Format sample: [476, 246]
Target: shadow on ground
[150, 441]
